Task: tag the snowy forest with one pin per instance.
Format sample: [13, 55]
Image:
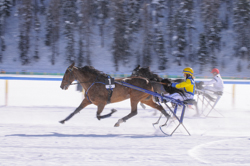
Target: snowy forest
[165, 34]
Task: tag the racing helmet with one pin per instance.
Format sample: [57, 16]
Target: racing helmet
[215, 70]
[188, 70]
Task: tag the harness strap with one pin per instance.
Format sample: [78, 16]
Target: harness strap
[110, 92]
[86, 93]
[109, 84]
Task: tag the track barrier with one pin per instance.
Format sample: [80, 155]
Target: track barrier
[7, 79]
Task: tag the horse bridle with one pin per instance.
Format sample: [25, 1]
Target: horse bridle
[135, 72]
[70, 72]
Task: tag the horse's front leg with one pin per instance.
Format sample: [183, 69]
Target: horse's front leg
[99, 111]
[84, 103]
[131, 114]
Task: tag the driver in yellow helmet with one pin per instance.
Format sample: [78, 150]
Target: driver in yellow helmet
[188, 86]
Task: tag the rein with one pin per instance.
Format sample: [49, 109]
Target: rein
[86, 92]
[162, 83]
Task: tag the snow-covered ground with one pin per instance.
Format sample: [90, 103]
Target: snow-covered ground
[30, 134]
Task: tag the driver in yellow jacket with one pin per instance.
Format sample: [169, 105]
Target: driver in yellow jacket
[188, 86]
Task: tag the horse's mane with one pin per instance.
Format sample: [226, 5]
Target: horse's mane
[146, 72]
[92, 70]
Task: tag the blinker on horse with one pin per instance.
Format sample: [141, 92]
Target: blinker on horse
[96, 93]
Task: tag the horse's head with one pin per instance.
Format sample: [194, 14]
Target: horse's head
[135, 71]
[141, 71]
[68, 77]
[146, 73]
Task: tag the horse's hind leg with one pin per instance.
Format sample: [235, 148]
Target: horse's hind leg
[131, 114]
[84, 103]
[99, 111]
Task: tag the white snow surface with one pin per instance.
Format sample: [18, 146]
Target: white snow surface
[30, 134]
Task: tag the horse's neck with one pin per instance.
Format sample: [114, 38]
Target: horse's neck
[153, 77]
[85, 81]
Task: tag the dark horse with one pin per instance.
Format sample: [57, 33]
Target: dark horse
[159, 84]
[96, 93]
[146, 73]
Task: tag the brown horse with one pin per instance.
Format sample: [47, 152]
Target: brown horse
[96, 93]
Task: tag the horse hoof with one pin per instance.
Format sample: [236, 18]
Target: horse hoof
[113, 110]
[62, 122]
[117, 125]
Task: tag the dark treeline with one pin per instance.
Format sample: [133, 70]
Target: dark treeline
[186, 32]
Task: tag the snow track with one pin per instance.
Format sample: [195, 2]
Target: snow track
[33, 136]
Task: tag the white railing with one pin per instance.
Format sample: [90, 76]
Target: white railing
[46, 91]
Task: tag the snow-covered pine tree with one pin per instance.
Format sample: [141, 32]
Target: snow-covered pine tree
[85, 17]
[42, 7]
[103, 11]
[48, 28]
[5, 6]
[180, 39]
[53, 29]
[214, 38]
[170, 26]
[69, 18]
[226, 6]
[225, 23]
[159, 10]
[188, 12]
[138, 57]
[133, 17]
[120, 42]
[212, 28]
[241, 28]
[147, 36]
[80, 56]
[160, 50]
[239, 66]
[87, 11]
[202, 52]
[80, 26]
[36, 26]
[25, 24]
